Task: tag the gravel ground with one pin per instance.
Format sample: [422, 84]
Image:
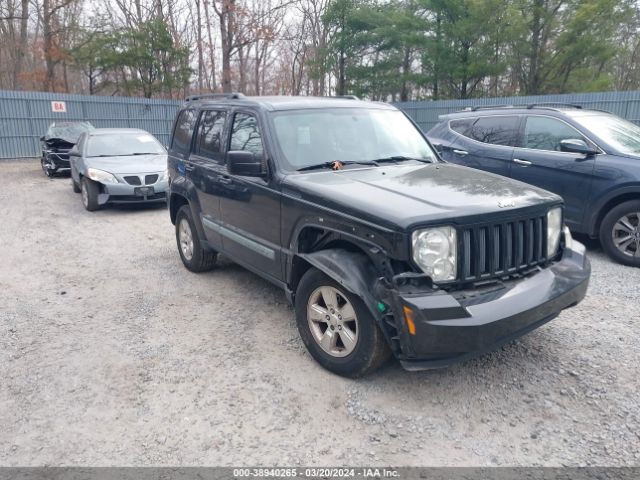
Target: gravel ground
[113, 354]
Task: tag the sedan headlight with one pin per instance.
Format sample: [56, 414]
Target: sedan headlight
[434, 251]
[101, 176]
[554, 228]
[164, 176]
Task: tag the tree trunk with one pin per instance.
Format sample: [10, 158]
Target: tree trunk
[199, 47]
[22, 47]
[48, 46]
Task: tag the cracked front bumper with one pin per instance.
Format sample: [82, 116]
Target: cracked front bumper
[453, 327]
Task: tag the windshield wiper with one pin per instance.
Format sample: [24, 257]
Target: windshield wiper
[332, 164]
[145, 153]
[402, 158]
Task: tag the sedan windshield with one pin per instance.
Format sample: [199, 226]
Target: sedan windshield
[123, 144]
[624, 136]
[316, 137]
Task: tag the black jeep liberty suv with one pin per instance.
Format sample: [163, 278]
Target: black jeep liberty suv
[382, 247]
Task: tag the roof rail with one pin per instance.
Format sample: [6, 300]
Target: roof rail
[553, 104]
[528, 106]
[346, 97]
[234, 95]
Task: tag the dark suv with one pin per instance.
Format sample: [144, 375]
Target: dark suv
[380, 246]
[589, 157]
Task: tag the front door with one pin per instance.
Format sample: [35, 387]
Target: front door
[540, 161]
[250, 206]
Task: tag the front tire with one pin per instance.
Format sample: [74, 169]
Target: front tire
[192, 253]
[74, 185]
[48, 171]
[337, 328]
[90, 191]
[620, 233]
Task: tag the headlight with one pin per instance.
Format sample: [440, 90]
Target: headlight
[434, 251]
[554, 228]
[164, 176]
[101, 176]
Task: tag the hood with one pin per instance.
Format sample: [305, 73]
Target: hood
[407, 195]
[130, 164]
[60, 143]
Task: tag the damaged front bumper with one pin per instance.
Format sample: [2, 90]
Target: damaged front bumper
[449, 327]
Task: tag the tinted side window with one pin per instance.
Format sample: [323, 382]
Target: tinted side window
[462, 126]
[181, 141]
[209, 137]
[545, 133]
[245, 134]
[499, 130]
[495, 130]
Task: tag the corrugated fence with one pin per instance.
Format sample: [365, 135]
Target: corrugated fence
[25, 116]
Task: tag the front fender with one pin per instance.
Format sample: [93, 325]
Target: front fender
[353, 271]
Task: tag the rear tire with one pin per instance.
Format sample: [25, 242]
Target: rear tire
[194, 257]
[620, 233]
[90, 191]
[337, 328]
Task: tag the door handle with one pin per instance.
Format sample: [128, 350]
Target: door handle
[225, 180]
[188, 168]
[460, 152]
[524, 163]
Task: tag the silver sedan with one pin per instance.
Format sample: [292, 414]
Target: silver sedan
[118, 165]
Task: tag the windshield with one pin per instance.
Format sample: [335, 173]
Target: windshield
[123, 144]
[313, 137]
[624, 136]
[68, 131]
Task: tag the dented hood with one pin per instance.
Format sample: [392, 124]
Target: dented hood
[401, 196]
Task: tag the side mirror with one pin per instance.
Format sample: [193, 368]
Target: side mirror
[42, 138]
[244, 163]
[74, 152]
[575, 145]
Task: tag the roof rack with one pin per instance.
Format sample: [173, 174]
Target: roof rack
[234, 95]
[528, 106]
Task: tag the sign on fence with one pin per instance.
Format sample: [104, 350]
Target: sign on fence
[58, 107]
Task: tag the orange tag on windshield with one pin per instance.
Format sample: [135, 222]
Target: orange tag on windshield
[337, 165]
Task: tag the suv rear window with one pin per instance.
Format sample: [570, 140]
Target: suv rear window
[498, 130]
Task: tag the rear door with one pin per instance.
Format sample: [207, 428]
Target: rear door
[485, 143]
[208, 167]
[539, 160]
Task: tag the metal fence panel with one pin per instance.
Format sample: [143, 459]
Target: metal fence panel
[624, 104]
[25, 117]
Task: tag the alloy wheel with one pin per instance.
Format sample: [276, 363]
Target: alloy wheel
[626, 234]
[186, 239]
[332, 321]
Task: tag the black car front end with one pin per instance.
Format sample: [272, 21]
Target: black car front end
[435, 327]
[55, 154]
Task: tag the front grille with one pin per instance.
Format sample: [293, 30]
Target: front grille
[132, 180]
[150, 179]
[502, 249]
